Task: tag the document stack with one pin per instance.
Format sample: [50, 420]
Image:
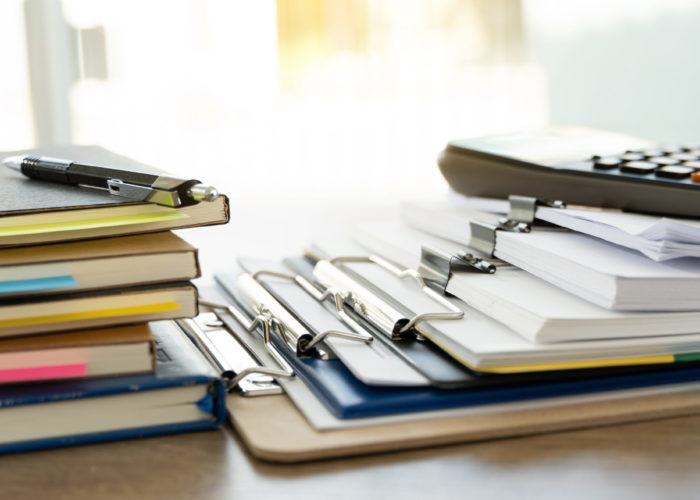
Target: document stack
[90, 286]
[441, 328]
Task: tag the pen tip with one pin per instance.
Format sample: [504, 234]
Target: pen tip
[13, 162]
[199, 192]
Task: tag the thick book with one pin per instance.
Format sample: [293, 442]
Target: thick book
[183, 394]
[34, 211]
[104, 352]
[535, 309]
[603, 273]
[53, 313]
[96, 264]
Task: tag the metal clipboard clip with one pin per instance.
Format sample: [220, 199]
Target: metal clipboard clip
[377, 311]
[295, 335]
[520, 218]
[239, 367]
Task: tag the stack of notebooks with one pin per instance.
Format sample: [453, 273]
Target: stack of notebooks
[90, 286]
[408, 335]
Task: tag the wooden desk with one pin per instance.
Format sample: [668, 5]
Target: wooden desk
[645, 460]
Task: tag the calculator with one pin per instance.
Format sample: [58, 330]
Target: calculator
[579, 166]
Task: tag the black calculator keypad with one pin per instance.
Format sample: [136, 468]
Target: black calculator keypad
[669, 164]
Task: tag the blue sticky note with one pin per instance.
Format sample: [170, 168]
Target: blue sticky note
[31, 285]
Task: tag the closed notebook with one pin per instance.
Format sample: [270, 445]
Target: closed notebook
[183, 394]
[41, 212]
[96, 264]
[104, 352]
[532, 307]
[603, 273]
[33, 315]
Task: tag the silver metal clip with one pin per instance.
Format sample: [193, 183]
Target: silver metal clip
[226, 351]
[523, 208]
[368, 304]
[438, 265]
[359, 336]
[483, 235]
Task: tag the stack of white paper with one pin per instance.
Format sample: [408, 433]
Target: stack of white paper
[600, 272]
[535, 309]
[659, 238]
[484, 344]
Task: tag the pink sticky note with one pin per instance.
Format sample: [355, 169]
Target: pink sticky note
[43, 373]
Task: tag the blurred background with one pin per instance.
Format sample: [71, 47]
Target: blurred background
[337, 100]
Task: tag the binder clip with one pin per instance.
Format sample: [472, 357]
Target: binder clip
[519, 220]
[233, 355]
[347, 289]
[439, 266]
[523, 208]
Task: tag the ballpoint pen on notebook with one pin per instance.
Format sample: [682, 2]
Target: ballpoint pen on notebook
[136, 186]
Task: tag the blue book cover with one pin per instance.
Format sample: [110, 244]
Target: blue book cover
[184, 393]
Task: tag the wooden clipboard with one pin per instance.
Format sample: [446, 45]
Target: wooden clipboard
[274, 430]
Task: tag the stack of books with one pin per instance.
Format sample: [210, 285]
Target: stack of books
[90, 286]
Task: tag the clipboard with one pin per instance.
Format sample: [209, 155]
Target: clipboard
[274, 429]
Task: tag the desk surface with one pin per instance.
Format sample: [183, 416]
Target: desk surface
[644, 460]
[647, 460]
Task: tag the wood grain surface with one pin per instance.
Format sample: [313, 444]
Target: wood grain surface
[645, 460]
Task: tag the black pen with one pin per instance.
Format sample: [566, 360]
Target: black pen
[137, 186]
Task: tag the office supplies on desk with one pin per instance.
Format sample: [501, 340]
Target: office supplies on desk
[84, 354]
[605, 274]
[36, 212]
[70, 311]
[134, 185]
[530, 306]
[96, 264]
[659, 238]
[183, 394]
[579, 165]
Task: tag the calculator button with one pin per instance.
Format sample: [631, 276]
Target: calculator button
[638, 167]
[693, 164]
[695, 177]
[629, 156]
[664, 160]
[684, 157]
[669, 150]
[650, 153]
[674, 172]
[695, 152]
[606, 162]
